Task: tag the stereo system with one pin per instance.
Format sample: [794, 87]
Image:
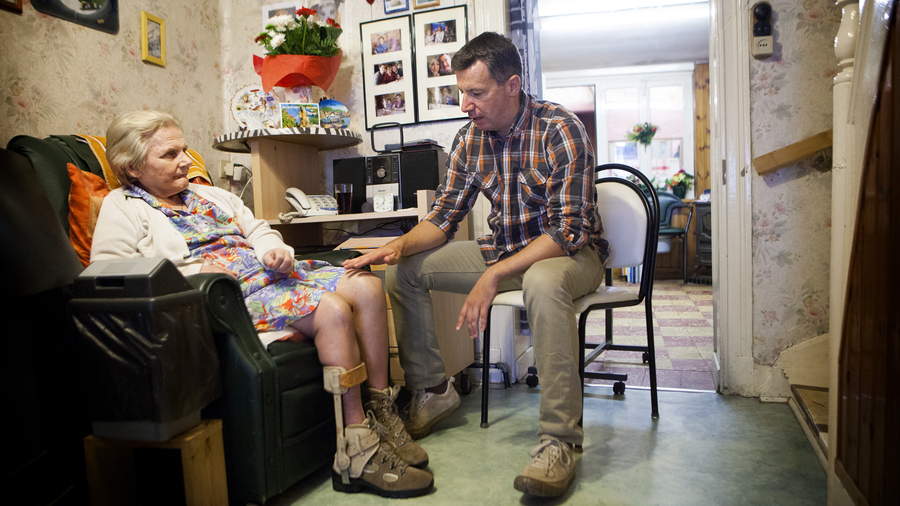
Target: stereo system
[397, 174]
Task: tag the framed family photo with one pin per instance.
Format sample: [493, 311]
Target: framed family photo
[392, 6]
[11, 5]
[153, 39]
[387, 64]
[439, 35]
[422, 4]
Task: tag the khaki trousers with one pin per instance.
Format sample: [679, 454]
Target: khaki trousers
[549, 287]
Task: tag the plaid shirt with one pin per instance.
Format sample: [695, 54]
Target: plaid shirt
[539, 181]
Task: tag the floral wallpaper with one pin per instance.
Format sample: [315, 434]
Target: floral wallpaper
[58, 77]
[790, 100]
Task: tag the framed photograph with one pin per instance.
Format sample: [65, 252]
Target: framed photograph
[96, 14]
[11, 5]
[421, 4]
[392, 6]
[439, 34]
[153, 39]
[279, 9]
[299, 115]
[387, 62]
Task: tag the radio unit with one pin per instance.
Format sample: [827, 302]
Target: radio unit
[399, 175]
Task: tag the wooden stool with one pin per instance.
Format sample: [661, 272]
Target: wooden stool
[110, 466]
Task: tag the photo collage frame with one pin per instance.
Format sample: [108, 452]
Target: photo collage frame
[398, 53]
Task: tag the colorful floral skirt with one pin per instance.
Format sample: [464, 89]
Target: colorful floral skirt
[275, 300]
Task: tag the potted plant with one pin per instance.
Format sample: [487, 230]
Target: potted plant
[642, 133]
[680, 183]
[299, 51]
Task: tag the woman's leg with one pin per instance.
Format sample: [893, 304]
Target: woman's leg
[363, 291]
[333, 327]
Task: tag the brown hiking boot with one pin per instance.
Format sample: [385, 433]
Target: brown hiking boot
[383, 404]
[551, 470]
[375, 467]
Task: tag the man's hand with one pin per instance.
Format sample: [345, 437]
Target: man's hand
[475, 310]
[279, 260]
[388, 254]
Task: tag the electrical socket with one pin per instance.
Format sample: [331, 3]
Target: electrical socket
[238, 170]
[762, 47]
[226, 170]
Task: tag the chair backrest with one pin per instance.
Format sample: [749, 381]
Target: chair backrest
[630, 218]
[668, 204]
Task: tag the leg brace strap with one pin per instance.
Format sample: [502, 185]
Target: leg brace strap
[338, 380]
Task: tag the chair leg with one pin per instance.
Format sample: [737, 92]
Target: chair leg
[651, 349]
[684, 256]
[485, 370]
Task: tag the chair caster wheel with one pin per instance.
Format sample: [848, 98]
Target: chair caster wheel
[618, 388]
[531, 381]
[645, 357]
[465, 384]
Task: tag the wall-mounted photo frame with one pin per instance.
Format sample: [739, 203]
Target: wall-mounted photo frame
[439, 34]
[11, 5]
[392, 6]
[423, 4]
[103, 16]
[387, 64]
[153, 39]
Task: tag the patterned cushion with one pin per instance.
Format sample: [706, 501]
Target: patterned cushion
[85, 198]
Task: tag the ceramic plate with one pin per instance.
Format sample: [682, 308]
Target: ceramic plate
[333, 114]
[252, 108]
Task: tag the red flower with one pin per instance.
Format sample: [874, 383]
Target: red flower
[260, 38]
[638, 129]
[653, 129]
[333, 23]
[303, 11]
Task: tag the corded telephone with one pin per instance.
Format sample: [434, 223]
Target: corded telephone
[308, 205]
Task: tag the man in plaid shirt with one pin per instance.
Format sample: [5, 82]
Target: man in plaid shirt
[534, 163]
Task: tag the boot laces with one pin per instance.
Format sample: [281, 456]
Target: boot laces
[389, 417]
[386, 452]
[545, 455]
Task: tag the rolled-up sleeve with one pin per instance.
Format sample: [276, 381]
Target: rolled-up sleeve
[570, 186]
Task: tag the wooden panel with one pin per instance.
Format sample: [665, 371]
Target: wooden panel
[869, 358]
[278, 166]
[701, 130]
[770, 162]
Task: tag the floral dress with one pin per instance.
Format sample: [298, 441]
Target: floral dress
[274, 299]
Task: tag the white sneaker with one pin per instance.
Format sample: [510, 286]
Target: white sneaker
[551, 470]
[427, 409]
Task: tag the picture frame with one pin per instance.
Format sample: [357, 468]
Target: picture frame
[299, 115]
[153, 39]
[392, 6]
[388, 71]
[272, 10]
[439, 34]
[424, 4]
[11, 5]
[103, 16]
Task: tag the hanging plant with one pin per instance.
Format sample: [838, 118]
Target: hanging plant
[642, 133]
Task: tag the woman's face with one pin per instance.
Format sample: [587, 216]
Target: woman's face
[165, 172]
[434, 66]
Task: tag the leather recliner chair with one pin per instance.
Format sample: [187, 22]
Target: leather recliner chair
[278, 422]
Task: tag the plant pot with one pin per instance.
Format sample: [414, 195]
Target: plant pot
[679, 191]
[289, 70]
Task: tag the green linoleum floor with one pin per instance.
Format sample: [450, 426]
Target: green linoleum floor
[705, 449]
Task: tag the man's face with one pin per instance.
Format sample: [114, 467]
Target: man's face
[491, 106]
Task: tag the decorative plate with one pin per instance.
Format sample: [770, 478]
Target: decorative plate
[333, 114]
[254, 109]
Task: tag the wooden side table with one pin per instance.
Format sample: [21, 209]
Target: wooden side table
[110, 466]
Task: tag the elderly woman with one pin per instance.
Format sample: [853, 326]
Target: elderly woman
[157, 213]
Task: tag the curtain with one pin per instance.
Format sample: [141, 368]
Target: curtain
[525, 33]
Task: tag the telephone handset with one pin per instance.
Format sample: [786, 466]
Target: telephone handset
[308, 205]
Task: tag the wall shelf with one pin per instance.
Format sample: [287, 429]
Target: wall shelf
[787, 155]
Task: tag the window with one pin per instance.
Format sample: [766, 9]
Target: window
[622, 101]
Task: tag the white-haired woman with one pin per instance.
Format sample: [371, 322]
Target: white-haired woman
[158, 213]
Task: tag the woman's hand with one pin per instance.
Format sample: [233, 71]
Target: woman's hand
[279, 260]
[217, 268]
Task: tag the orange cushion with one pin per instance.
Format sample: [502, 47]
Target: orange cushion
[85, 198]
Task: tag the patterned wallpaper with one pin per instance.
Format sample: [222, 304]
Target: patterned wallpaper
[58, 77]
[790, 100]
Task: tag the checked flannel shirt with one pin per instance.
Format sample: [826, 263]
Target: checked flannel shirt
[539, 181]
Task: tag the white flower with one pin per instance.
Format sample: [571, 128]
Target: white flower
[282, 22]
[277, 39]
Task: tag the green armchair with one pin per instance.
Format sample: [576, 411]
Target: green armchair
[278, 422]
